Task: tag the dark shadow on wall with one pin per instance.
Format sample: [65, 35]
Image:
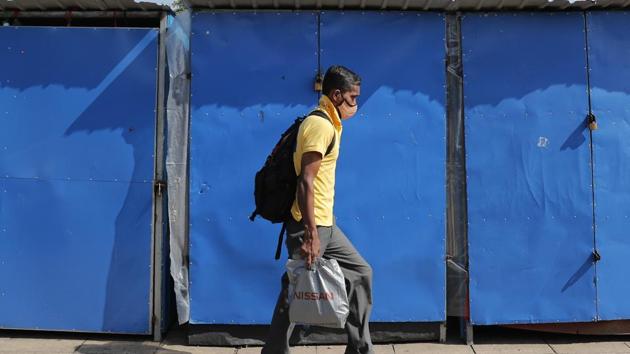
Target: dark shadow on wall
[519, 54]
[118, 68]
[283, 75]
[577, 137]
[242, 61]
[286, 61]
[588, 263]
[127, 106]
[26, 47]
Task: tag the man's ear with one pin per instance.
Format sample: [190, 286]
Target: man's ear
[336, 96]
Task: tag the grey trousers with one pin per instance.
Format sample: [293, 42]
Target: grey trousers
[358, 275]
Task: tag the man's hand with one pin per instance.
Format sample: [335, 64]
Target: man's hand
[311, 246]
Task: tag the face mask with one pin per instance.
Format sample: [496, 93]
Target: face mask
[346, 110]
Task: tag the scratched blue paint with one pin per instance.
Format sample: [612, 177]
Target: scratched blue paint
[529, 178]
[390, 193]
[251, 79]
[76, 164]
[609, 48]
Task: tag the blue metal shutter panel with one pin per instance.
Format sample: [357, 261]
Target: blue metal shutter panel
[609, 47]
[390, 192]
[76, 167]
[253, 74]
[529, 179]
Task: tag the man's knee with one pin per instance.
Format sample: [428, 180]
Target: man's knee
[366, 272]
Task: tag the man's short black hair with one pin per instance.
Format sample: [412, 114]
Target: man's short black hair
[339, 78]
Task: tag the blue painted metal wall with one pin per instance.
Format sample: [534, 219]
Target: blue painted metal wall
[76, 164]
[76, 167]
[390, 193]
[529, 177]
[609, 48]
[251, 78]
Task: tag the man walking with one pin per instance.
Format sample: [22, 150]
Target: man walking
[312, 231]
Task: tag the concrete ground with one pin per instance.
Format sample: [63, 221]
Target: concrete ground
[488, 340]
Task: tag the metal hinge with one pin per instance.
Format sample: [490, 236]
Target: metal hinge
[596, 256]
[319, 81]
[158, 187]
[592, 121]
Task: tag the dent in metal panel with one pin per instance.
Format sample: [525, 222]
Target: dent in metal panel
[390, 192]
[251, 78]
[609, 48]
[529, 180]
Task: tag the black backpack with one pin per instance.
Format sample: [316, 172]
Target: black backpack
[276, 182]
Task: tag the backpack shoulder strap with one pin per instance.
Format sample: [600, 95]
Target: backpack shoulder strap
[279, 247]
[321, 114]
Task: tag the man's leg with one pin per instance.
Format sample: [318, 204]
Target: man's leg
[358, 275]
[280, 330]
[281, 327]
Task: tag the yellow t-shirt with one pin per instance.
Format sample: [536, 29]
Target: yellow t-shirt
[316, 134]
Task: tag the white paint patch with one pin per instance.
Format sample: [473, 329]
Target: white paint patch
[543, 142]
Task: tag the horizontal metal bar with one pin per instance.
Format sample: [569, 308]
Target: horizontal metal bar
[415, 5]
[82, 14]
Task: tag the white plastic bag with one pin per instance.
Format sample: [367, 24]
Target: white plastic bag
[317, 296]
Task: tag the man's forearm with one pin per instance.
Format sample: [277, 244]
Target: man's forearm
[305, 197]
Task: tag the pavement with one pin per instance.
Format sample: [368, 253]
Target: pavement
[488, 340]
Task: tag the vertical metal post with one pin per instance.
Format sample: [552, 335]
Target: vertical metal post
[590, 116]
[443, 332]
[457, 204]
[159, 185]
[469, 333]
